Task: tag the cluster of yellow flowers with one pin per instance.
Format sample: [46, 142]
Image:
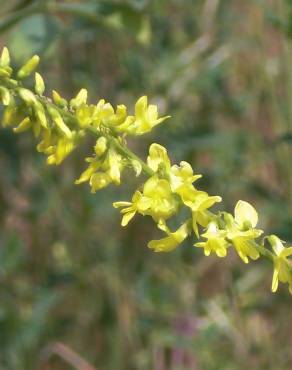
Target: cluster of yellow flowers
[60, 125]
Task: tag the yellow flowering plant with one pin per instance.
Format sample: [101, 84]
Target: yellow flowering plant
[60, 125]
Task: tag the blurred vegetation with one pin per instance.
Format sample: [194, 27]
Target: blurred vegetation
[74, 286]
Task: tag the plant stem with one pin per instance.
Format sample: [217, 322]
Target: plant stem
[114, 141]
[126, 152]
[265, 252]
[122, 149]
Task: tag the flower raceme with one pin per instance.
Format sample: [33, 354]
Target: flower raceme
[60, 126]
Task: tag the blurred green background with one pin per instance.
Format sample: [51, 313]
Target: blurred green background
[74, 285]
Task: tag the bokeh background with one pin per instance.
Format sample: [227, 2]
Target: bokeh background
[79, 292]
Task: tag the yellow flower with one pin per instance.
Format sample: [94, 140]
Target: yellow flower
[172, 240]
[61, 150]
[87, 115]
[158, 158]
[79, 100]
[242, 232]
[146, 117]
[101, 173]
[246, 247]
[131, 207]
[91, 169]
[156, 201]
[199, 202]
[216, 241]
[119, 117]
[99, 181]
[162, 203]
[100, 146]
[282, 267]
[182, 177]
[47, 142]
[114, 166]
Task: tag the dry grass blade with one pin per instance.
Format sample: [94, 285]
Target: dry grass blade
[66, 353]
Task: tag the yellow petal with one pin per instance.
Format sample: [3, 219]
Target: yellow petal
[99, 181]
[79, 100]
[127, 217]
[29, 67]
[140, 107]
[114, 161]
[63, 148]
[85, 176]
[172, 240]
[163, 245]
[23, 126]
[100, 146]
[39, 84]
[275, 281]
[245, 212]
[121, 204]
[59, 122]
[158, 156]
[5, 58]
[245, 248]
[286, 252]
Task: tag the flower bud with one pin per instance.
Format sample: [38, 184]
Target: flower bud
[23, 126]
[5, 96]
[80, 99]
[27, 96]
[100, 146]
[58, 100]
[4, 72]
[59, 122]
[40, 114]
[136, 166]
[39, 84]
[29, 67]
[5, 58]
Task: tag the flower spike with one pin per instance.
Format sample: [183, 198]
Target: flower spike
[60, 126]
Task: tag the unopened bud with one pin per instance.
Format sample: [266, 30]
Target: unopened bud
[5, 95]
[29, 67]
[39, 84]
[5, 58]
[100, 146]
[80, 99]
[59, 122]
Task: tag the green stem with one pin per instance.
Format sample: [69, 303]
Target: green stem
[122, 149]
[265, 252]
[114, 142]
[126, 152]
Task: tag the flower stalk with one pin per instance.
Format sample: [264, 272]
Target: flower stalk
[60, 126]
